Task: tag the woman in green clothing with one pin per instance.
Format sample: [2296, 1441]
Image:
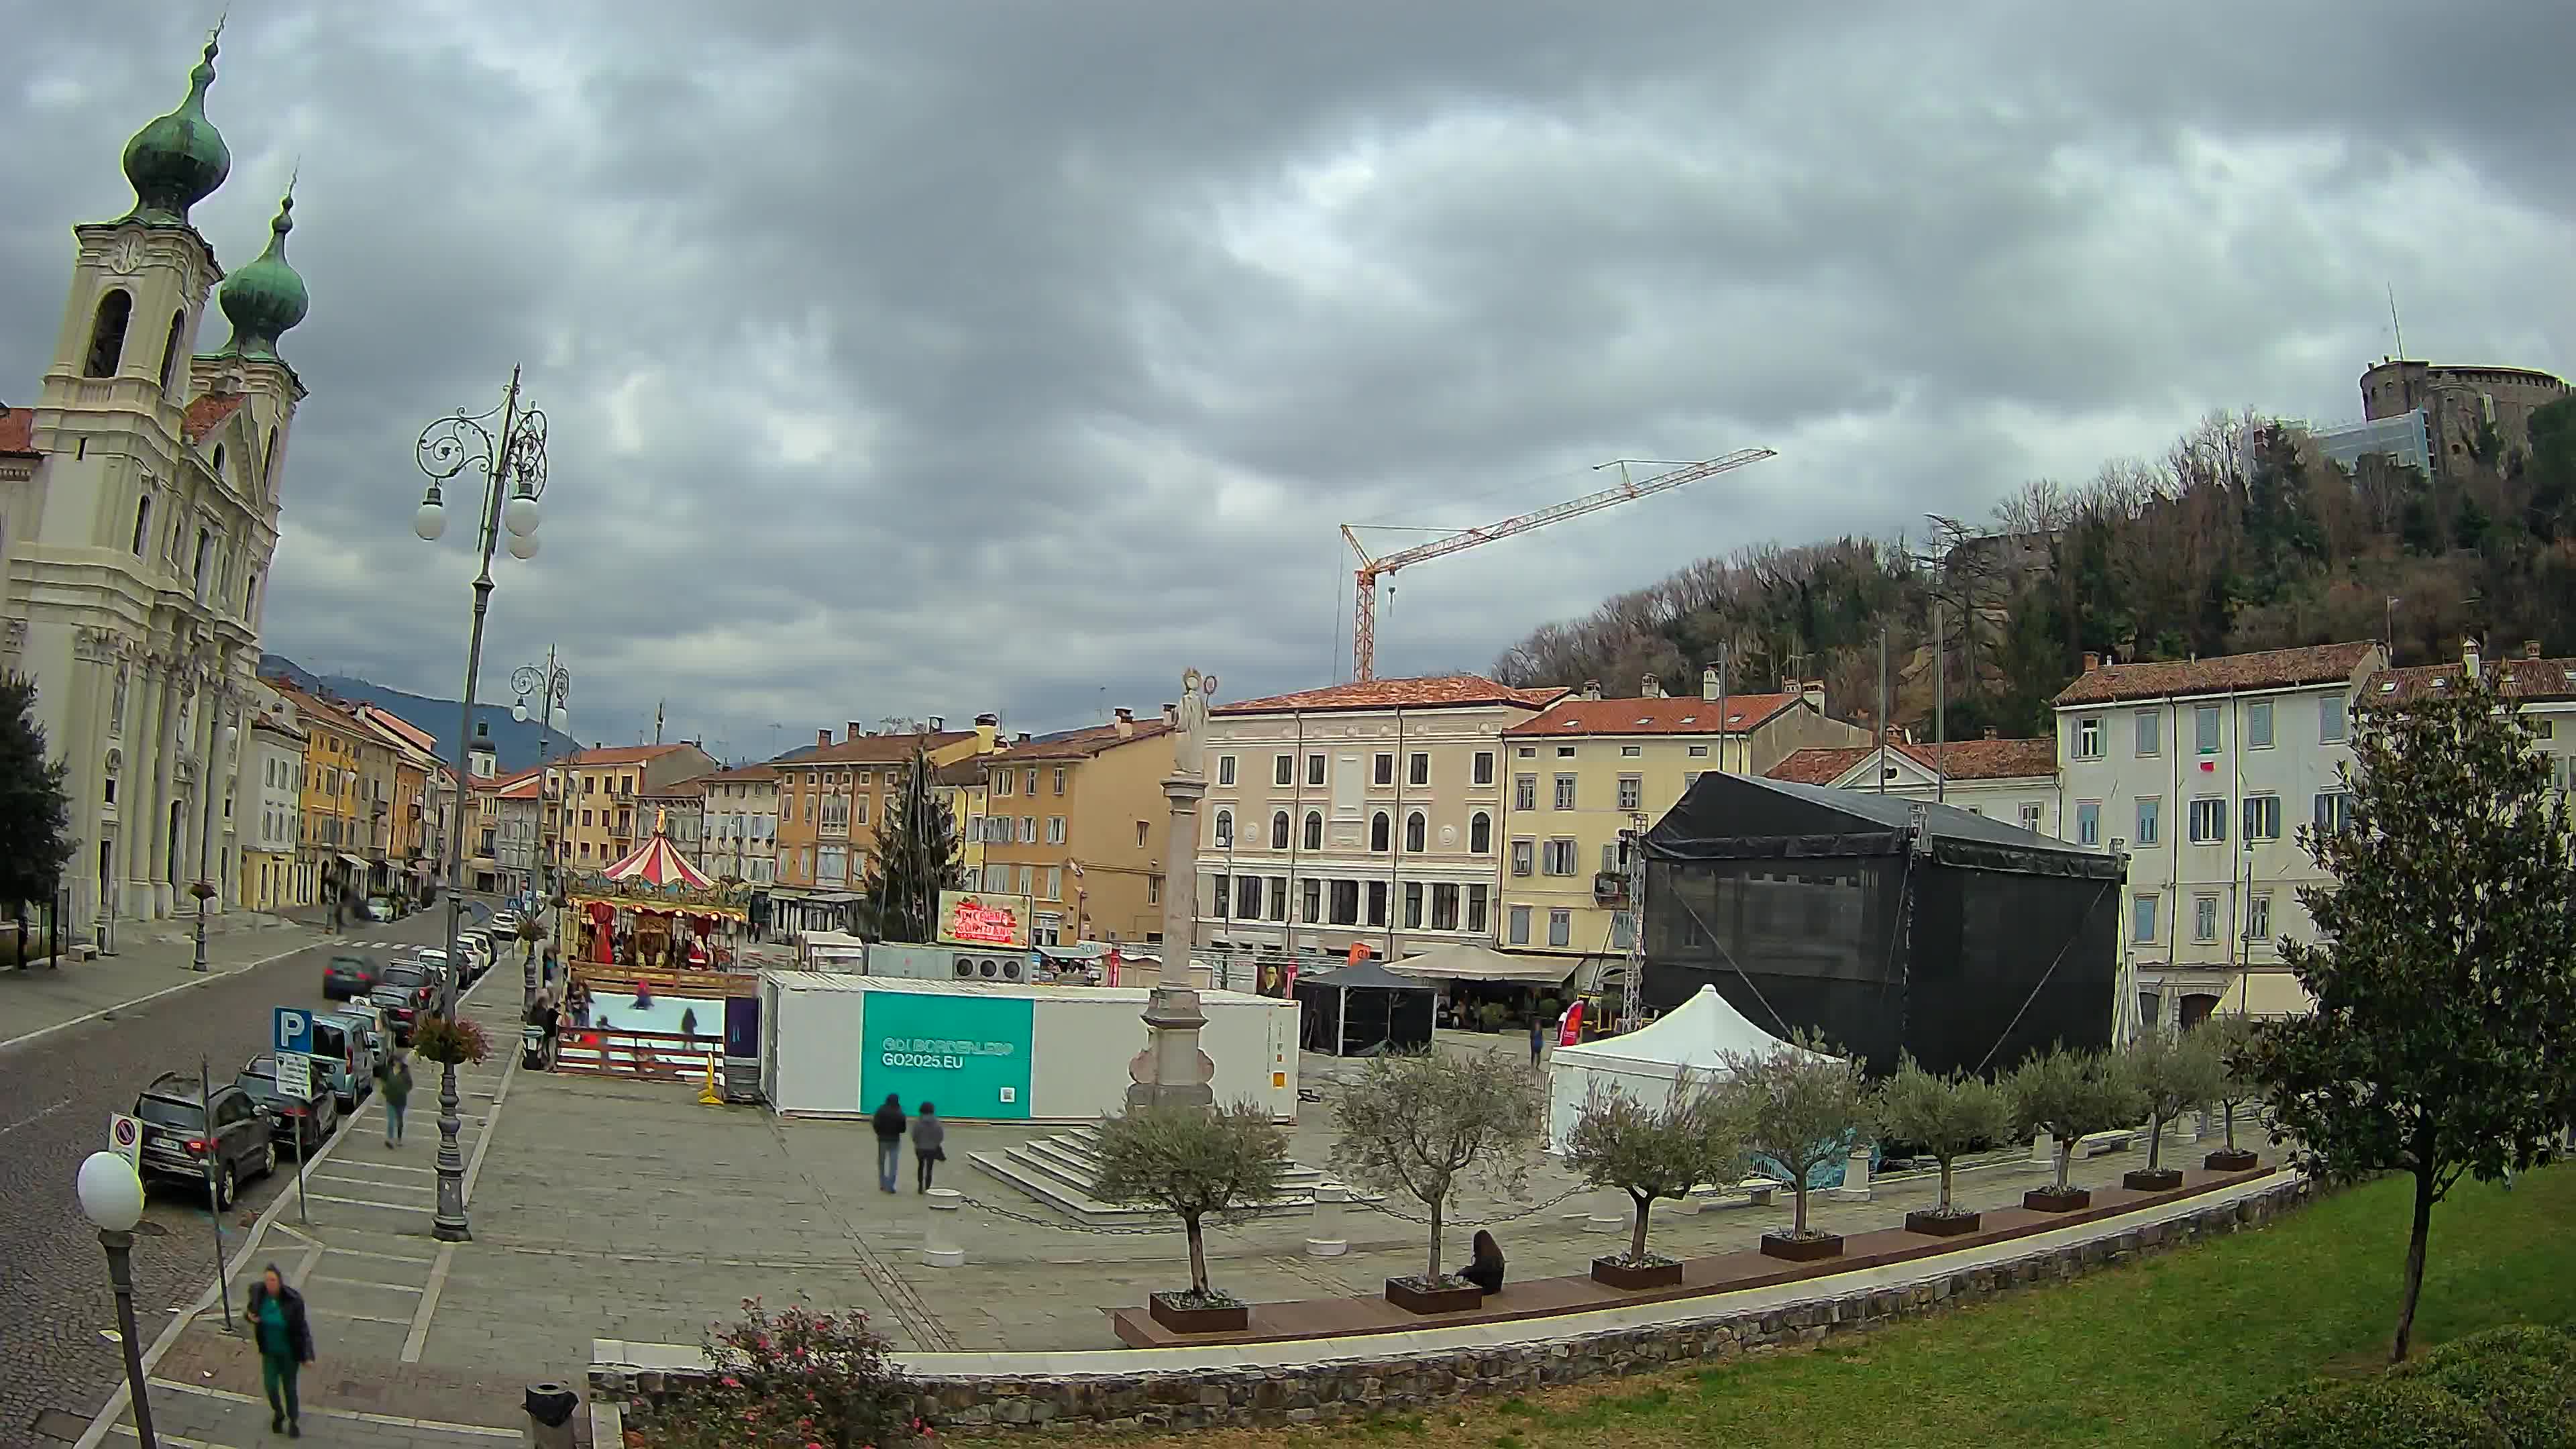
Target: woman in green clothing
[285, 1346]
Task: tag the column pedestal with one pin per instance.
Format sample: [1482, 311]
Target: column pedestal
[1172, 1071]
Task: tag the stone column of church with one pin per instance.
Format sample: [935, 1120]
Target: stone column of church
[167, 870]
[139, 804]
[89, 740]
[228, 806]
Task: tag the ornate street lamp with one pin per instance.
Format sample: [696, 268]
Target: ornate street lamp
[204, 889]
[111, 1197]
[508, 447]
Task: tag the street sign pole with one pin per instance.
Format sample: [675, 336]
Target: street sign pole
[299, 1174]
[214, 1208]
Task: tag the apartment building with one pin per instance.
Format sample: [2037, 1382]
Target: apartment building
[742, 825]
[1588, 768]
[346, 801]
[2202, 770]
[833, 798]
[2011, 780]
[413, 843]
[1362, 814]
[1077, 822]
[592, 816]
[273, 765]
[501, 851]
[2543, 690]
[678, 810]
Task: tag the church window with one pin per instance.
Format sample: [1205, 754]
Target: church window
[142, 523]
[219, 460]
[170, 351]
[107, 333]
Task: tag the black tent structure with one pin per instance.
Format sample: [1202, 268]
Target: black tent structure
[1886, 924]
[1363, 1011]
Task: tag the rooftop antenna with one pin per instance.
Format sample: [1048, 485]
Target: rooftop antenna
[2393, 324]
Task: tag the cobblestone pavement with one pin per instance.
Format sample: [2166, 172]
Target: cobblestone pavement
[55, 1096]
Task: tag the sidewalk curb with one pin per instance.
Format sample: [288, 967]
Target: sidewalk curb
[31, 1038]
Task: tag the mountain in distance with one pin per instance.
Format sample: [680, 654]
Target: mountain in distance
[517, 745]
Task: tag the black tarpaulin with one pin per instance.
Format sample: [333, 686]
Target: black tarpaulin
[1363, 1010]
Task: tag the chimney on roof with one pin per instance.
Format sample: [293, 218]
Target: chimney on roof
[1172, 715]
[2530, 648]
[1592, 689]
[2469, 655]
[1126, 723]
[1990, 732]
[1022, 738]
[988, 732]
[2092, 661]
[1813, 691]
[1708, 684]
[938, 724]
[822, 737]
[854, 731]
[1654, 687]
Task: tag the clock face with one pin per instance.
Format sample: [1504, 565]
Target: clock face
[126, 255]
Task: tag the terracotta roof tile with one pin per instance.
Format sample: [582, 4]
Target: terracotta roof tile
[2266, 669]
[18, 430]
[1959, 760]
[2514, 678]
[524, 788]
[209, 411]
[501, 783]
[695, 786]
[1819, 766]
[1084, 743]
[881, 749]
[1668, 716]
[1439, 691]
[743, 775]
[966, 772]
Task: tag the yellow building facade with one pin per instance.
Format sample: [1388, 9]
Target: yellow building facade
[591, 816]
[1076, 821]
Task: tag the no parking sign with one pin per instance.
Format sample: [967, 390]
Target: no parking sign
[125, 1138]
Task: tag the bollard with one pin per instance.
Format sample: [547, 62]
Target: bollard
[1606, 1211]
[2043, 1151]
[1855, 1186]
[550, 1409]
[939, 1246]
[1326, 1237]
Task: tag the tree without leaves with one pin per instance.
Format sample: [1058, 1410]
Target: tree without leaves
[35, 816]
[1425, 1124]
[2172, 1075]
[1948, 1117]
[2069, 1095]
[2445, 965]
[915, 858]
[1618, 1141]
[1801, 1104]
[1193, 1164]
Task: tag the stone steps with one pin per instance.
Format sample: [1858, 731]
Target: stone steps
[1063, 1172]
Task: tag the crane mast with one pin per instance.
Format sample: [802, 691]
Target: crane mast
[1364, 617]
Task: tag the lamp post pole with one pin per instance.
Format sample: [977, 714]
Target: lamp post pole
[111, 1197]
[204, 889]
[553, 687]
[512, 459]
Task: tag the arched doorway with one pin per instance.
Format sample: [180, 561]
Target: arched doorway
[2196, 1009]
[107, 878]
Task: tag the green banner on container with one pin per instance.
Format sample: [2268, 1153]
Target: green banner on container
[969, 1055]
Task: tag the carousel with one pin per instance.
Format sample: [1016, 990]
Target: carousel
[654, 911]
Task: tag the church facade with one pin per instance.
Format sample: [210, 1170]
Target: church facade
[138, 516]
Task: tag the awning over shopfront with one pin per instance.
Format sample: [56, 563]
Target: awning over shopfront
[1467, 961]
[358, 861]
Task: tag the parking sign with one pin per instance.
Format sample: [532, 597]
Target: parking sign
[295, 1074]
[125, 1138]
[294, 1031]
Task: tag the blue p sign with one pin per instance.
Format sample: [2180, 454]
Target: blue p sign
[294, 1031]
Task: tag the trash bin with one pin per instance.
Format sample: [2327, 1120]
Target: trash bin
[550, 1409]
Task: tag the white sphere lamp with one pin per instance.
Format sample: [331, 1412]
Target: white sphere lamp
[519, 515]
[523, 546]
[111, 1196]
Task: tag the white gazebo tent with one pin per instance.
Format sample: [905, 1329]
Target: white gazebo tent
[1693, 1038]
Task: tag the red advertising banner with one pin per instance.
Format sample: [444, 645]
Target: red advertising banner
[1109, 968]
[973, 918]
[1571, 1034]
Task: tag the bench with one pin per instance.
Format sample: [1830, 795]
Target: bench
[1757, 1192]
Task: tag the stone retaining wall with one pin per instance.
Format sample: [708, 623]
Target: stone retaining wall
[1397, 1382]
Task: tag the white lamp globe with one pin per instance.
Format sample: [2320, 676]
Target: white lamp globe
[111, 1196]
[519, 711]
[523, 545]
[519, 515]
[429, 521]
[562, 720]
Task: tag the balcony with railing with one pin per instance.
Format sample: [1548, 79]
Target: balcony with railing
[1610, 888]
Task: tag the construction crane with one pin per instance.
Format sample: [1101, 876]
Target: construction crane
[1364, 621]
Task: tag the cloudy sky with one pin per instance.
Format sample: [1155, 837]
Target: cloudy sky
[924, 358]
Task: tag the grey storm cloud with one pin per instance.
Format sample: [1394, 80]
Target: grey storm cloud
[932, 358]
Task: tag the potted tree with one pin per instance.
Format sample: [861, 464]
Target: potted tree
[1196, 1165]
[1647, 1152]
[1425, 1124]
[1802, 1106]
[1948, 1117]
[2068, 1094]
[2231, 1040]
[2173, 1075]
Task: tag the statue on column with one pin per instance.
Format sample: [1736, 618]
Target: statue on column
[1189, 738]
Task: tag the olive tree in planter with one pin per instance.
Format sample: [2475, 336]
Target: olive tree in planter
[1802, 1106]
[1424, 1124]
[2069, 1094]
[2231, 1041]
[1696, 1136]
[2173, 1075]
[1196, 1165]
[1948, 1117]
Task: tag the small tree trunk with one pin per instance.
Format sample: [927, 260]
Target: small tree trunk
[2417, 1234]
[1944, 1208]
[2155, 1139]
[2227, 1111]
[1798, 1189]
[2066, 1164]
[1637, 1238]
[1198, 1254]
[1433, 1276]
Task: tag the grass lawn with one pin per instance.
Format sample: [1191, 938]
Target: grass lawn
[2165, 1352]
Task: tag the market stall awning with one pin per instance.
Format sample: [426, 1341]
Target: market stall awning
[1467, 961]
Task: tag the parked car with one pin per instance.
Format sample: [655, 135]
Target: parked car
[505, 925]
[405, 991]
[475, 950]
[340, 1052]
[374, 1034]
[346, 976]
[313, 1118]
[184, 1130]
[380, 908]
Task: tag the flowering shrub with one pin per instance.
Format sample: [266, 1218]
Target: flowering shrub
[450, 1043]
[794, 1378]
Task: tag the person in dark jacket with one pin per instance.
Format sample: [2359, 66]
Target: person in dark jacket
[929, 1145]
[1485, 1269]
[285, 1339]
[396, 1075]
[889, 1122]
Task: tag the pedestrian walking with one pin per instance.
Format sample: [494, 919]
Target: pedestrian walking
[285, 1347]
[397, 1079]
[929, 1145]
[1538, 1039]
[889, 1122]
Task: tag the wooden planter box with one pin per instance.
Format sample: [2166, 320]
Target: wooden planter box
[1941, 1225]
[1802, 1250]
[1458, 1298]
[1183, 1319]
[1616, 1274]
[2227, 1159]
[2152, 1179]
[2050, 1200]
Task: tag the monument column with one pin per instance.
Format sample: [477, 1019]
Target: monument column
[1172, 1071]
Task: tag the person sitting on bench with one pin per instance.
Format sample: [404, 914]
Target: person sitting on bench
[1485, 1269]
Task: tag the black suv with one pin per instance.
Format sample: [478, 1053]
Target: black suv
[178, 1143]
[345, 977]
[313, 1118]
[405, 990]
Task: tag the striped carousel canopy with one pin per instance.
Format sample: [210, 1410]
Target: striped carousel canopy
[656, 864]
